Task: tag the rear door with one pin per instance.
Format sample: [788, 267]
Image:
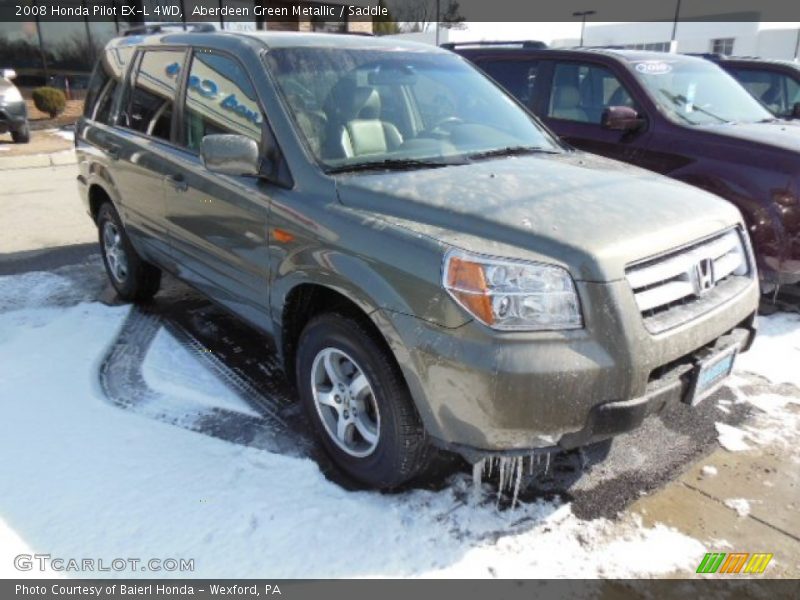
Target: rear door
[141, 139]
[572, 106]
[218, 223]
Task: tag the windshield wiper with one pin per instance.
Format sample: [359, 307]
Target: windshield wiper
[510, 151]
[681, 100]
[393, 164]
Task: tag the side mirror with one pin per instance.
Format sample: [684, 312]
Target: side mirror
[795, 114]
[621, 118]
[230, 154]
[9, 73]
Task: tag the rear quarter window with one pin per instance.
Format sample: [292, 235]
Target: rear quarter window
[105, 83]
[149, 106]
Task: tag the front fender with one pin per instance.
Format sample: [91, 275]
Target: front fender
[339, 272]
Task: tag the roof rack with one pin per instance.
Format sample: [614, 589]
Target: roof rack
[533, 44]
[160, 27]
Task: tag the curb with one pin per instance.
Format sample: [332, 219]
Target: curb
[38, 161]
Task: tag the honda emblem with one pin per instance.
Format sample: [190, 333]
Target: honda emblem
[704, 276]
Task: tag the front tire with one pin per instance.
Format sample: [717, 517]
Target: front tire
[356, 397]
[134, 279]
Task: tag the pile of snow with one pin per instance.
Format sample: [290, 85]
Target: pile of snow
[170, 369]
[89, 479]
[740, 505]
[708, 471]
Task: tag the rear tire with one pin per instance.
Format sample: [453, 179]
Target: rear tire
[21, 135]
[134, 279]
[344, 367]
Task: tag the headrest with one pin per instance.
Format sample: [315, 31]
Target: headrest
[347, 101]
[365, 103]
[567, 95]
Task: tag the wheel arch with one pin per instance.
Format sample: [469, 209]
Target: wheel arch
[305, 300]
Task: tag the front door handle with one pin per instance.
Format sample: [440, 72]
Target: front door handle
[178, 182]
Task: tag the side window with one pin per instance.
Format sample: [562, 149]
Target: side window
[776, 91]
[581, 92]
[517, 76]
[150, 104]
[220, 98]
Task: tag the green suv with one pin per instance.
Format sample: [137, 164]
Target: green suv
[438, 272]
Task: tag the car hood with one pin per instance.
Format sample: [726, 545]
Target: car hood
[779, 134]
[589, 214]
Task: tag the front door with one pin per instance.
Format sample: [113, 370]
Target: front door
[579, 93]
[218, 223]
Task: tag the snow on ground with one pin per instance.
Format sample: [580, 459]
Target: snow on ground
[775, 356]
[731, 438]
[776, 351]
[67, 134]
[88, 479]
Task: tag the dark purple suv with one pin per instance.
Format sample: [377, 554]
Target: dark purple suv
[677, 115]
[775, 83]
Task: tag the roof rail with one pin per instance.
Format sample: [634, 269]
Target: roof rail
[159, 28]
[606, 47]
[533, 44]
[707, 55]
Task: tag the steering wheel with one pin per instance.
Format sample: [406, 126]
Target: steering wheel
[442, 126]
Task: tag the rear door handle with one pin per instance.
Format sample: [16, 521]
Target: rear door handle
[177, 182]
[113, 152]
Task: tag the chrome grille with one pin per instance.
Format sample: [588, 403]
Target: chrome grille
[680, 285]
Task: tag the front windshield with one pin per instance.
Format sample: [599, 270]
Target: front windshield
[357, 106]
[697, 92]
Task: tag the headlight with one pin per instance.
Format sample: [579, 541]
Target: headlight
[512, 295]
[11, 95]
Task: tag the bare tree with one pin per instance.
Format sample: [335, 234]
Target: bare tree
[419, 15]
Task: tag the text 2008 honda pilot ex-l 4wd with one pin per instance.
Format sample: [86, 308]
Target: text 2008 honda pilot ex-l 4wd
[437, 270]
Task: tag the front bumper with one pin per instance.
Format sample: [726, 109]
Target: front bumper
[13, 115]
[482, 392]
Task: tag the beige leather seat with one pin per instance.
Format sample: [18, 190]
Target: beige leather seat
[567, 104]
[360, 131]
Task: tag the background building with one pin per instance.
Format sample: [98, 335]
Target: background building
[753, 38]
[64, 53]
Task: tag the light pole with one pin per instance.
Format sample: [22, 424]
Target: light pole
[583, 14]
[673, 43]
[438, 16]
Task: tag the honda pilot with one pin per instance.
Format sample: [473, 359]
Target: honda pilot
[437, 271]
